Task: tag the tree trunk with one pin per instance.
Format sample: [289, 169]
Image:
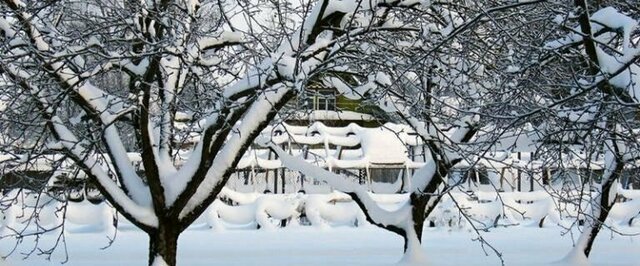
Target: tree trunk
[413, 253]
[398, 229]
[411, 230]
[418, 214]
[163, 243]
[604, 207]
[591, 230]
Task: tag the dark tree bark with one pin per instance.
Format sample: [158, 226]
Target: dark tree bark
[163, 243]
[420, 209]
[605, 204]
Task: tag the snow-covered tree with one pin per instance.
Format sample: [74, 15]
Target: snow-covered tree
[586, 81]
[445, 78]
[187, 85]
[97, 75]
[576, 70]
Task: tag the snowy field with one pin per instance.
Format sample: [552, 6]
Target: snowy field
[521, 245]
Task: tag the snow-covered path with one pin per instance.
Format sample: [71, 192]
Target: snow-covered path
[309, 246]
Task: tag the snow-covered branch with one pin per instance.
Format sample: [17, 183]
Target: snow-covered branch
[140, 214]
[254, 119]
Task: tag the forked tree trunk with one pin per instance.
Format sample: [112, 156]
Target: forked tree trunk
[163, 244]
[420, 209]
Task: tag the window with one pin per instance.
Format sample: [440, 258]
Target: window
[324, 100]
[385, 175]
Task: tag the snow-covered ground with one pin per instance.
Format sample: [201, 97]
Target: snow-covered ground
[520, 245]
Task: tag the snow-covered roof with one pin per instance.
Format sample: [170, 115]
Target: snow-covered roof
[351, 146]
[317, 115]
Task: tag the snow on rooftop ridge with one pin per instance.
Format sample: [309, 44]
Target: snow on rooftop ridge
[333, 115]
[351, 146]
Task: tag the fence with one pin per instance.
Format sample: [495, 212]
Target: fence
[269, 211]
